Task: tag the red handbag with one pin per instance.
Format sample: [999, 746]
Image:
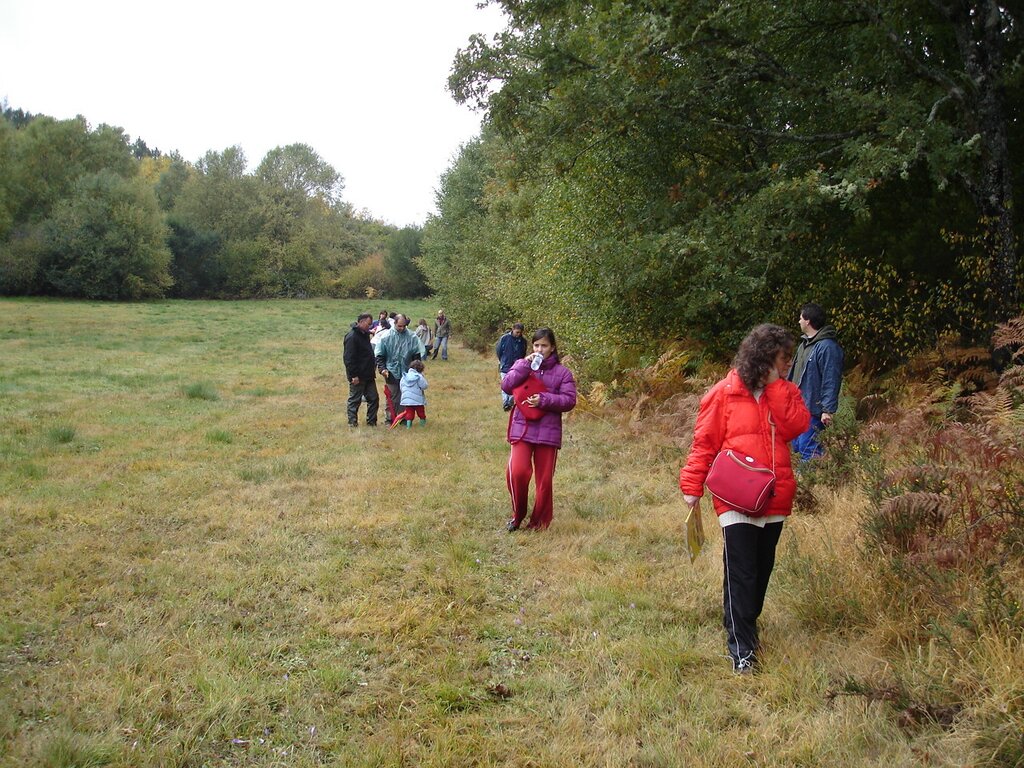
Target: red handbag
[742, 482]
[532, 385]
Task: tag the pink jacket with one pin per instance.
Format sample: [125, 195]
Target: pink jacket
[559, 398]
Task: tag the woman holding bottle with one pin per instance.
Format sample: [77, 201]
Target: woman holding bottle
[536, 440]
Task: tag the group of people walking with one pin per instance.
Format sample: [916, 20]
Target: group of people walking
[387, 347]
[777, 398]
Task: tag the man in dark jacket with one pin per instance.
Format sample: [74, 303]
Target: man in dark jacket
[510, 347]
[818, 372]
[360, 370]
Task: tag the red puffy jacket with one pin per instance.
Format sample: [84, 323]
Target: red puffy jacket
[730, 417]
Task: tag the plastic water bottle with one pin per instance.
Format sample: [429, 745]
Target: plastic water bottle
[535, 363]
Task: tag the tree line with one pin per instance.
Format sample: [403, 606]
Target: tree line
[656, 170]
[87, 212]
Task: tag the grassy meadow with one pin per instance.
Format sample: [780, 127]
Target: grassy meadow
[203, 565]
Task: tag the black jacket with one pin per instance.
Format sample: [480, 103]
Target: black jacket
[358, 356]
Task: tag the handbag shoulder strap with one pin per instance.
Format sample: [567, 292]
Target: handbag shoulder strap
[772, 423]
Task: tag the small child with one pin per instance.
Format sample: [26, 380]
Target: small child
[413, 398]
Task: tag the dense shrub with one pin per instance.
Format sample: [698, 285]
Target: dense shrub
[21, 261]
[944, 474]
[367, 278]
[108, 241]
[196, 266]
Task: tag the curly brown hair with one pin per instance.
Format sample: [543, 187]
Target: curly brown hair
[757, 353]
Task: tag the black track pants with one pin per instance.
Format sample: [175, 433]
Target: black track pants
[748, 559]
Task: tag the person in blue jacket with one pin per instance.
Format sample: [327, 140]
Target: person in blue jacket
[818, 372]
[510, 347]
[414, 399]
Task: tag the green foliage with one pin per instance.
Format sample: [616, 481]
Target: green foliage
[220, 197]
[47, 157]
[220, 436]
[366, 279]
[281, 231]
[401, 263]
[468, 252]
[172, 181]
[107, 241]
[944, 472]
[74, 750]
[196, 267]
[851, 455]
[42, 164]
[692, 169]
[239, 261]
[21, 260]
[298, 168]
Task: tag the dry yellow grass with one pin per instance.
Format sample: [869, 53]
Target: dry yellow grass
[246, 581]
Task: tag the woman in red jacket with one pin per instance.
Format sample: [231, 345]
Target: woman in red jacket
[748, 409]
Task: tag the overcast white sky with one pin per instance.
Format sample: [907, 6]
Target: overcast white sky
[361, 81]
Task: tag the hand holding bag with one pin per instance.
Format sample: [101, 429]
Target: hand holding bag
[742, 482]
[532, 385]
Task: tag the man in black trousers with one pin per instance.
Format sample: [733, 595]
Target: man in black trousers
[360, 370]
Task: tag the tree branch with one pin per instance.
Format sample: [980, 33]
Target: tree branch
[802, 139]
[941, 79]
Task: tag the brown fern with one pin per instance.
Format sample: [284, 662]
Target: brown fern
[1010, 335]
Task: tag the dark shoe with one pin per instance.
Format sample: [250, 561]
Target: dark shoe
[513, 525]
[352, 424]
[508, 406]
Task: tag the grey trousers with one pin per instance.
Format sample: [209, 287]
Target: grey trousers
[356, 392]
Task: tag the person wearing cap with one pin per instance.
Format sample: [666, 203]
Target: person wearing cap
[442, 330]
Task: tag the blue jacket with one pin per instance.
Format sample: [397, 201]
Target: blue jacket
[822, 374]
[413, 385]
[509, 349]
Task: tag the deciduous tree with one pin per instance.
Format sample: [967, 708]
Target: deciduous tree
[735, 149]
[108, 241]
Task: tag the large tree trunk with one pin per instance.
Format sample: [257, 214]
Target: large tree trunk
[980, 28]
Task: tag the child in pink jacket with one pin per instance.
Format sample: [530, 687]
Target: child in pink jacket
[535, 442]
